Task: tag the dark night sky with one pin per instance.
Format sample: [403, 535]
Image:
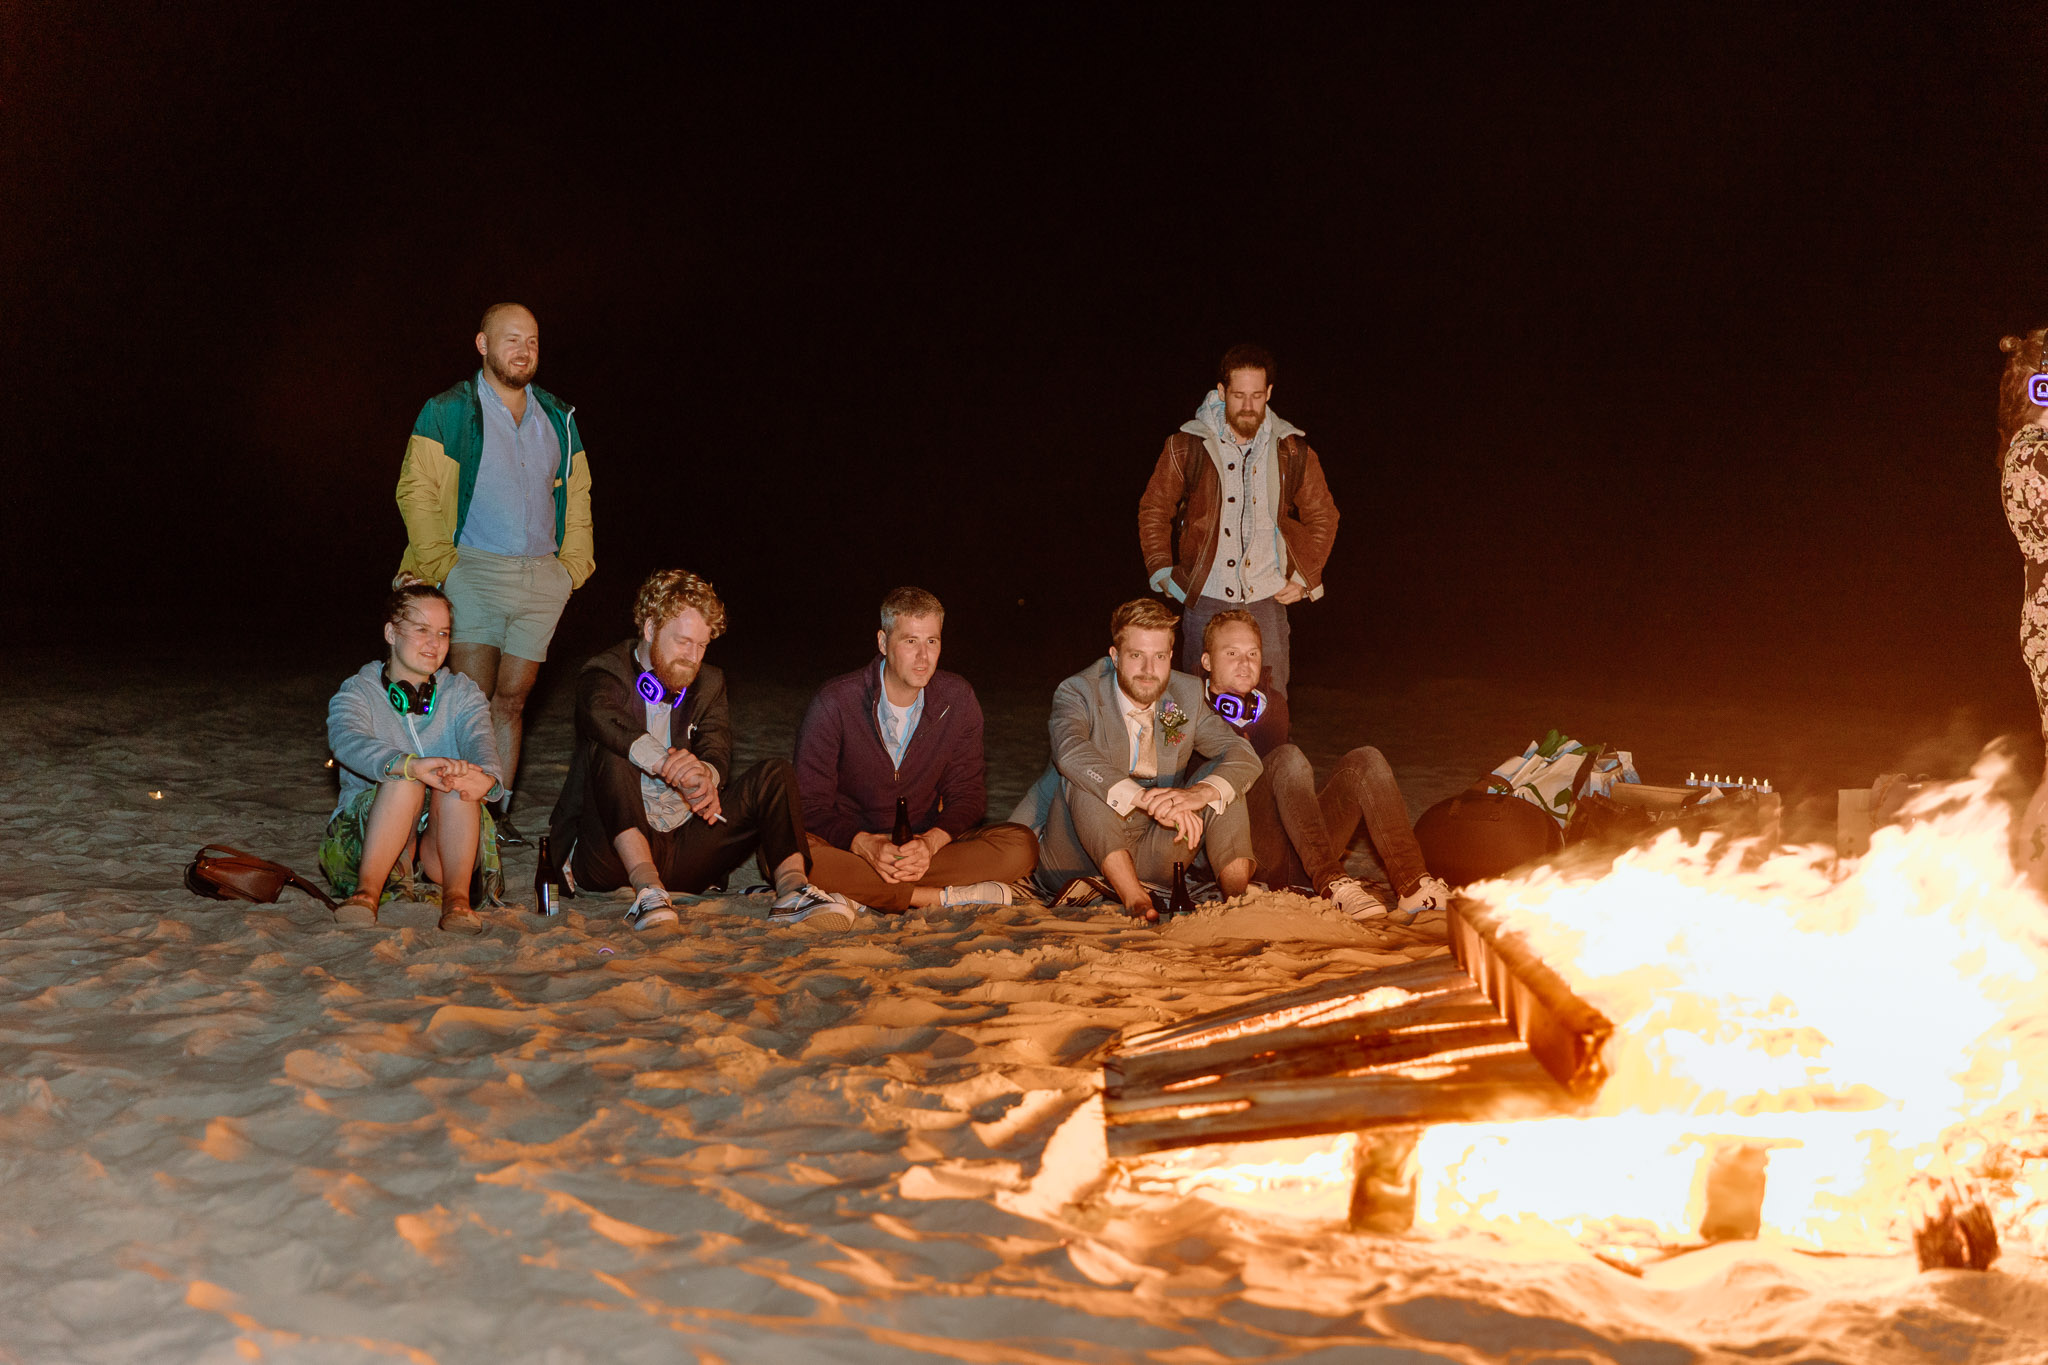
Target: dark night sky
[1663, 342]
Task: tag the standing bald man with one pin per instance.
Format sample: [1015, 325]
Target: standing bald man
[495, 492]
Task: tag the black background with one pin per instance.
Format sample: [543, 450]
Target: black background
[1657, 346]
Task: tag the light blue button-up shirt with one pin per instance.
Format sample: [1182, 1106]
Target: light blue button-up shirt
[512, 508]
[898, 723]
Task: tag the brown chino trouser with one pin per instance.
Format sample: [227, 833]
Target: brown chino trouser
[993, 853]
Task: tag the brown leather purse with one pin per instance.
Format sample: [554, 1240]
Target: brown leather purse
[220, 873]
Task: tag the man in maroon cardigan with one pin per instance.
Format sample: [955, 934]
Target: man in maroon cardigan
[900, 729]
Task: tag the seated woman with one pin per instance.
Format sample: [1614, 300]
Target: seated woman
[400, 728]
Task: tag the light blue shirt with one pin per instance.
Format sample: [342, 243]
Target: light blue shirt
[897, 723]
[512, 509]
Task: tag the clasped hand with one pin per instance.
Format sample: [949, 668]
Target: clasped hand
[1179, 809]
[695, 779]
[465, 779]
[895, 862]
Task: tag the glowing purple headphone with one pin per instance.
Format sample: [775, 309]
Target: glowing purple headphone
[1240, 711]
[650, 688]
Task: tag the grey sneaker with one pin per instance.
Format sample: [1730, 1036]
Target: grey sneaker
[807, 902]
[977, 893]
[1354, 898]
[651, 907]
[1431, 893]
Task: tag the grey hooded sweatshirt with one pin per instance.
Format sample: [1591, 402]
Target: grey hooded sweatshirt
[366, 733]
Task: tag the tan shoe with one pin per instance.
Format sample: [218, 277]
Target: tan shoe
[358, 910]
[458, 918]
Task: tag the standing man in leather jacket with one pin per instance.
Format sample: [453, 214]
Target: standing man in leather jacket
[1259, 521]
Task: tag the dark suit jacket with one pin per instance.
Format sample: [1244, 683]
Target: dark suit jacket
[610, 715]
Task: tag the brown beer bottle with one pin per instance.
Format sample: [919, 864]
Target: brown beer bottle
[901, 836]
[1181, 903]
[544, 879]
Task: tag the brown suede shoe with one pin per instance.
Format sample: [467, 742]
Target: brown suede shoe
[458, 918]
[358, 911]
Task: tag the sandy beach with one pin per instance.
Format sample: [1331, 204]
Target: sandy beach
[240, 1133]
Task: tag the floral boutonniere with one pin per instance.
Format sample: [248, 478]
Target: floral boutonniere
[1171, 718]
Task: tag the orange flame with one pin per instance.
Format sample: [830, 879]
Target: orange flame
[1849, 1019]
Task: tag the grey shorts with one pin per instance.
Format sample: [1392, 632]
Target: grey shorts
[507, 601]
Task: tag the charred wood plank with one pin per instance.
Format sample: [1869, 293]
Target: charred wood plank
[1512, 1087]
[1952, 1229]
[1383, 1195]
[1407, 1026]
[1426, 974]
[1564, 1033]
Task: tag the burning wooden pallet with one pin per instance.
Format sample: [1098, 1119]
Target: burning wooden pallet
[1488, 1033]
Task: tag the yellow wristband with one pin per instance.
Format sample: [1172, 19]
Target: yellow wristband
[408, 767]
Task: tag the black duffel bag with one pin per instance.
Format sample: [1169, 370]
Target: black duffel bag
[1482, 833]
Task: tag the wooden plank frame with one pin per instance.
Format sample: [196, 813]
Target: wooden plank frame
[1402, 1047]
[1564, 1033]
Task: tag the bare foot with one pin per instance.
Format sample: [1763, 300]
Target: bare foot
[359, 909]
[458, 918]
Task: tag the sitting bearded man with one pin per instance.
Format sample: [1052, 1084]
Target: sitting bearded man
[649, 801]
[1144, 774]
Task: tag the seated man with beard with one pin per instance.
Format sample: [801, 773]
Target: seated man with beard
[1298, 833]
[1144, 774]
[650, 800]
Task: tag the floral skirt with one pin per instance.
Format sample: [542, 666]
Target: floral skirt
[341, 855]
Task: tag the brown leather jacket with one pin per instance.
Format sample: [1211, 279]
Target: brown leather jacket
[1308, 517]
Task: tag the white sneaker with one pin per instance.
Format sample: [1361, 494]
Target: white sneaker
[807, 902]
[1431, 893]
[651, 907]
[977, 893]
[1354, 898]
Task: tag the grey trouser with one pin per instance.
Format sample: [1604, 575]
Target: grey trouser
[1081, 830]
[1301, 834]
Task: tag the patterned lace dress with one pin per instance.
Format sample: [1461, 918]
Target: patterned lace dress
[2025, 485]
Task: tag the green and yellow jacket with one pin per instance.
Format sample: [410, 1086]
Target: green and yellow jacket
[438, 477]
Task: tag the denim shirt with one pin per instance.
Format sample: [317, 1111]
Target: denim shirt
[512, 511]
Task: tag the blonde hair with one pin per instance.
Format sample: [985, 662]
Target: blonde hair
[903, 602]
[1236, 616]
[668, 593]
[1140, 613]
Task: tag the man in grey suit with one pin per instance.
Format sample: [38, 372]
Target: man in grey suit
[1144, 772]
